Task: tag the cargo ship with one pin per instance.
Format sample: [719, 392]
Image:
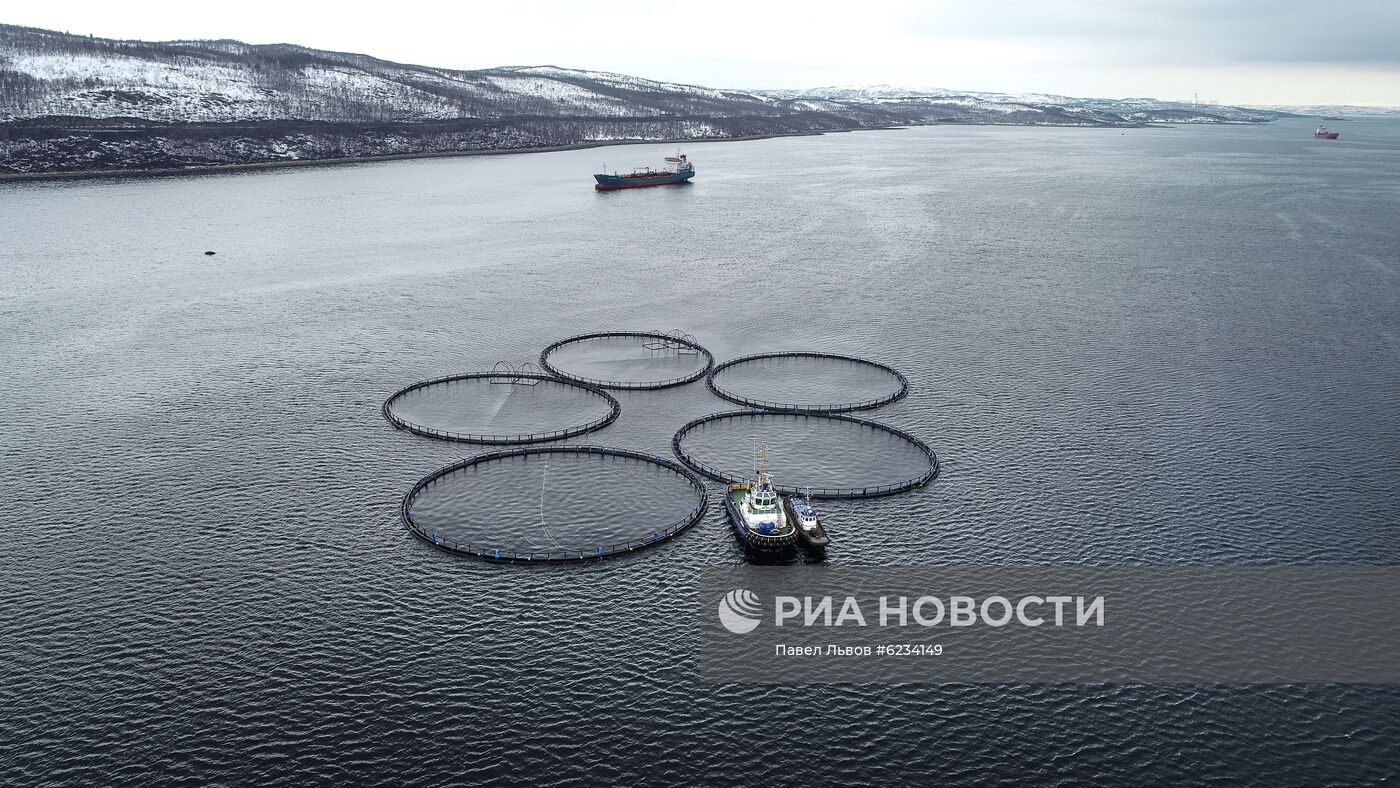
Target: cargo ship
[1323, 134]
[678, 169]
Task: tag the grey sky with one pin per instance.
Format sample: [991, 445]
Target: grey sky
[1234, 51]
[1237, 31]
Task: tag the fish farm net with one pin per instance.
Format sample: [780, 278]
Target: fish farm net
[628, 359]
[799, 382]
[554, 503]
[502, 407]
[830, 456]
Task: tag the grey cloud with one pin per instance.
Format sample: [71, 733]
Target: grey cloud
[1186, 31]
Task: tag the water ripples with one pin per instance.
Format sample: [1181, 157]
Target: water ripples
[202, 573]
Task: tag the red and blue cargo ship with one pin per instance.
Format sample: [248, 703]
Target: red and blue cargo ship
[678, 170]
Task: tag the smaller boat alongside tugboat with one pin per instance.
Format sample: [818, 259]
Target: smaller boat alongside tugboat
[1323, 134]
[809, 528]
[678, 169]
[759, 514]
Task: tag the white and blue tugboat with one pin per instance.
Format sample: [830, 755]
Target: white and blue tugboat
[759, 514]
[809, 528]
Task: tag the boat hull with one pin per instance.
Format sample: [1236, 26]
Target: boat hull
[755, 541]
[606, 183]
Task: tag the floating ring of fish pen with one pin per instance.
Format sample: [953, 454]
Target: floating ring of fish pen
[792, 407]
[658, 533]
[675, 341]
[865, 491]
[513, 376]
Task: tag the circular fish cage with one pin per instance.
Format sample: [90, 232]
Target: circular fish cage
[501, 407]
[829, 383]
[628, 359]
[554, 503]
[822, 455]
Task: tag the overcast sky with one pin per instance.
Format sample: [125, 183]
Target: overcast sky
[1232, 51]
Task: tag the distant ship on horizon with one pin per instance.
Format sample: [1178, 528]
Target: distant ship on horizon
[1323, 134]
[678, 170]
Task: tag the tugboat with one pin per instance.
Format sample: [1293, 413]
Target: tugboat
[809, 528]
[757, 512]
[678, 170]
[1323, 134]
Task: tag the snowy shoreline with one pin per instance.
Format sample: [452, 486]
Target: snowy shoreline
[250, 166]
[208, 169]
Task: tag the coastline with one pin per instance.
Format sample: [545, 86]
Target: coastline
[214, 169]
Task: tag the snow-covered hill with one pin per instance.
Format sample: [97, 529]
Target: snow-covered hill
[43, 73]
[80, 103]
[1334, 111]
[953, 106]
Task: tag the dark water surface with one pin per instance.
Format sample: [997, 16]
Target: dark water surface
[1155, 347]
